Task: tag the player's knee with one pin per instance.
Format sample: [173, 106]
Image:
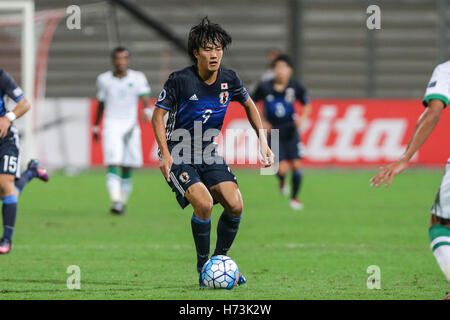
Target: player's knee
[203, 209]
[7, 188]
[235, 209]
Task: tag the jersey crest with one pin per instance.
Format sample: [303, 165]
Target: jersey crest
[224, 97]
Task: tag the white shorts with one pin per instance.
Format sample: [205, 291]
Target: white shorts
[441, 206]
[122, 145]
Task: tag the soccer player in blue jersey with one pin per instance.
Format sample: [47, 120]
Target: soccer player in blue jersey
[279, 95]
[11, 182]
[197, 99]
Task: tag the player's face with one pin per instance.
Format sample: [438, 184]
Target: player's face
[209, 57]
[283, 71]
[121, 61]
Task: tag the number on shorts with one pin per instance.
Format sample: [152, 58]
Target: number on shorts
[206, 115]
[9, 164]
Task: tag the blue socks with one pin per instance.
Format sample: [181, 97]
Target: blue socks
[9, 212]
[296, 182]
[201, 230]
[227, 228]
[25, 177]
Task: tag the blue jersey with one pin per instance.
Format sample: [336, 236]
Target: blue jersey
[189, 99]
[8, 87]
[279, 106]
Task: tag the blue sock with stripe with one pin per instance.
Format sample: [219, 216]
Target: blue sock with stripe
[25, 177]
[201, 230]
[9, 212]
[227, 228]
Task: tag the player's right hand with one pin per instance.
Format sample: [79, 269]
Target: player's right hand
[96, 133]
[166, 165]
[387, 173]
[4, 126]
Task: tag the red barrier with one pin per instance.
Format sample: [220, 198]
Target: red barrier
[342, 132]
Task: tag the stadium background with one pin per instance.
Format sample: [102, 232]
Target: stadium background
[367, 81]
[335, 55]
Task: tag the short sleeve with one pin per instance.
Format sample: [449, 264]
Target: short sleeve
[258, 93]
[9, 87]
[143, 86]
[101, 90]
[238, 92]
[300, 93]
[168, 98]
[438, 87]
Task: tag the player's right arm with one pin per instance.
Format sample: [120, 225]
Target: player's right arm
[166, 100]
[98, 117]
[101, 97]
[436, 99]
[8, 86]
[159, 129]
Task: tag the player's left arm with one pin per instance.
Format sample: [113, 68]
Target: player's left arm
[11, 89]
[144, 96]
[147, 110]
[255, 121]
[301, 95]
[21, 108]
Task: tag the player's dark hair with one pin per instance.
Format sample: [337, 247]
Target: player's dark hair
[205, 32]
[117, 50]
[281, 57]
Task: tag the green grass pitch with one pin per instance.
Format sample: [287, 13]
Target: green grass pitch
[322, 252]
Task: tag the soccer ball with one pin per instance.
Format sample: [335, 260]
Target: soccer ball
[220, 272]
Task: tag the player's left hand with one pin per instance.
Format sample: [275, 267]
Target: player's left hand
[4, 126]
[268, 157]
[300, 122]
[147, 115]
[387, 173]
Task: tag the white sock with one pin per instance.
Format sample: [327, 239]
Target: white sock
[113, 183]
[442, 255]
[127, 187]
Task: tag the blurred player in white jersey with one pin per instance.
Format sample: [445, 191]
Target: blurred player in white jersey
[436, 98]
[118, 94]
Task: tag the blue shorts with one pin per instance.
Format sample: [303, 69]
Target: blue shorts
[290, 148]
[9, 153]
[182, 176]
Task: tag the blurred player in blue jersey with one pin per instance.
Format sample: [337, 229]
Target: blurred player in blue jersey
[279, 95]
[197, 99]
[11, 182]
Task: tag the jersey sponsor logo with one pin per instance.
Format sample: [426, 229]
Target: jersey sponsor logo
[432, 84]
[162, 95]
[184, 177]
[224, 97]
[224, 86]
[17, 92]
[379, 139]
[193, 97]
